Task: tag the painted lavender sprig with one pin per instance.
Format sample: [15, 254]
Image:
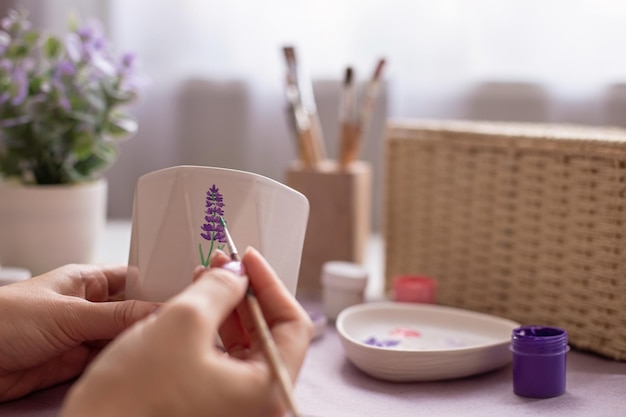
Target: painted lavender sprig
[212, 229]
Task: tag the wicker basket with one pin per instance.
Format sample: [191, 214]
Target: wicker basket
[517, 220]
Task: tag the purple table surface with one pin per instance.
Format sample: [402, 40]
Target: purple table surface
[330, 386]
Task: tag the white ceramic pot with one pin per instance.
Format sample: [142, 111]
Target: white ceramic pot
[44, 227]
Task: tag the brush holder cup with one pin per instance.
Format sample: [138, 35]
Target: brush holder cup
[339, 219]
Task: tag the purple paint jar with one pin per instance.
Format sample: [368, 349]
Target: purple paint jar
[539, 361]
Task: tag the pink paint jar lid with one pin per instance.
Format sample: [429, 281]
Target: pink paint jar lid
[414, 289]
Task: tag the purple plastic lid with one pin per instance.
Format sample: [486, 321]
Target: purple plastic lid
[539, 340]
[539, 361]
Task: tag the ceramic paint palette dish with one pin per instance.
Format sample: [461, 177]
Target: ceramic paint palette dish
[176, 226]
[423, 342]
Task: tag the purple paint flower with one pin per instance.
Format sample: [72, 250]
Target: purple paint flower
[212, 229]
[372, 341]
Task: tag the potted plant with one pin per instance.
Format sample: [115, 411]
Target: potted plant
[62, 111]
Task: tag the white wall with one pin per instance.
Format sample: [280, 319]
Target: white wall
[216, 93]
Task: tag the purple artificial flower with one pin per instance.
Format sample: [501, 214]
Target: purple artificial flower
[5, 40]
[73, 47]
[6, 23]
[15, 121]
[127, 62]
[64, 68]
[65, 103]
[102, 67]
[63, 71]
[88, 46]
[14, 23]
[20, 82]
[71, 84]
[126, 71]
[92, 36]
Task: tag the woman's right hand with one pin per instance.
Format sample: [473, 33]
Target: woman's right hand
[168, 364]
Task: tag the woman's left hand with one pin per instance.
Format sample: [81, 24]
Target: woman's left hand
[52, 325]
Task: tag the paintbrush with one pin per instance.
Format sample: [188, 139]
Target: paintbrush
[292, 70]
[371, 93]
[307, 100]
[354, 131]
[299, 118]
[349, 128]
[301, 126]
[271, 350]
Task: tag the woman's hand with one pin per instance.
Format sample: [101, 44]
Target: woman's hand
[52, 325]
[169, 364]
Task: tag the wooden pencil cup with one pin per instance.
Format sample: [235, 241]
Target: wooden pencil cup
[339, 218]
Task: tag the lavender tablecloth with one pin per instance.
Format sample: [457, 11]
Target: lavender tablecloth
[330, 386]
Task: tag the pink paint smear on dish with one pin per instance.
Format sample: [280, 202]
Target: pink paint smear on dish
[404, 332]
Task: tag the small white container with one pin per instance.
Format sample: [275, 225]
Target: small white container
[343, 286]
[13, 275]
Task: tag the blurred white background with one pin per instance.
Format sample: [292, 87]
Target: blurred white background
[216, 70]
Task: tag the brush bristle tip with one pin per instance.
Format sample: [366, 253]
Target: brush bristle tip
[349, 75]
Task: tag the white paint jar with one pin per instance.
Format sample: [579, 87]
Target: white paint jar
[343, 285]
[13, 275]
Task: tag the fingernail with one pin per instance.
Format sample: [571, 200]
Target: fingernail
[197, 272]
[250, 249]
[235, 267]
[156, 309]
[216, 252]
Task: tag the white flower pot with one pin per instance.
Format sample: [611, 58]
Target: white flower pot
[44, 227]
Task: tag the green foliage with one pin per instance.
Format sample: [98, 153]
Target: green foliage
[62, 103]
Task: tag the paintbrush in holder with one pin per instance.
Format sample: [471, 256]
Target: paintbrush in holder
[339, 192]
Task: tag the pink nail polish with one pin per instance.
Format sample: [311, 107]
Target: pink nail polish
[235, 267]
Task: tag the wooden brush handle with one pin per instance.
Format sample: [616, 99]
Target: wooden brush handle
[273, 355]
[308, 154]
[350, 144]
